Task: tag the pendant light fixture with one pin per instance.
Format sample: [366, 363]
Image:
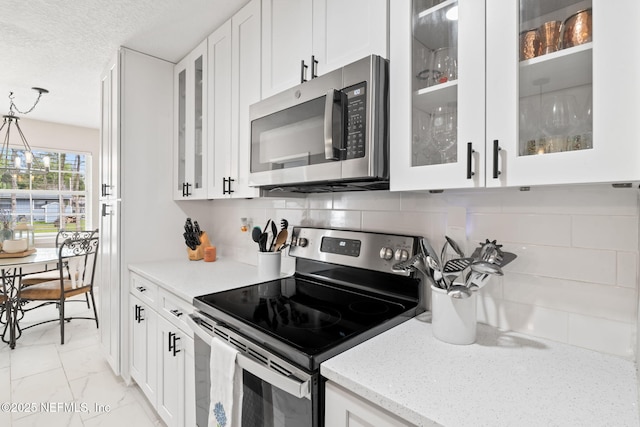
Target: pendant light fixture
[11, 155]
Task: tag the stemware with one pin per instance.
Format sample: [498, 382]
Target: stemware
[583, 138]
[444, 130]
[445, 65]
[559, 120]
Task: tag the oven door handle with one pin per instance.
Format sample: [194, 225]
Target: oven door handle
[289, 384]
[334, 111]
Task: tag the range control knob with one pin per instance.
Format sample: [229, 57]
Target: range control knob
[386, 253]
[303, 242]
[401, 255]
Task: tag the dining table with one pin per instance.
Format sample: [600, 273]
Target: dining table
[12, 270]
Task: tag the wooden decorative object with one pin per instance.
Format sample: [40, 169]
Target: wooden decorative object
[198, 253]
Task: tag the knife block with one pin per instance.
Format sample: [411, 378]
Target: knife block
[198, 253]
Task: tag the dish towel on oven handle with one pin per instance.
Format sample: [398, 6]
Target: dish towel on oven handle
[226, 386]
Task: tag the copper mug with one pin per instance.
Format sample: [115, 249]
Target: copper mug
[577, 29]
[550, 36]
[530, 44]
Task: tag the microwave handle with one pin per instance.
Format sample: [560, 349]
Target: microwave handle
[335, 107]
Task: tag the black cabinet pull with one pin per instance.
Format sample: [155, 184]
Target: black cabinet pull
[224, 185]
[171, 341]
[314, 67]
[176, 313]
[175, 347]
[470, 152]
[104, 190]
[136, 314]
[230, 180]
[141, 288]
[139, 313]
[187, 185]
[104, 209]
[496, 149]
[303, 71]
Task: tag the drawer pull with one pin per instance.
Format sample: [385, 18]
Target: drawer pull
[141, 288]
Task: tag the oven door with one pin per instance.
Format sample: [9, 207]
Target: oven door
[275, 393]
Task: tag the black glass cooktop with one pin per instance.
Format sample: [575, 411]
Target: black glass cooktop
[309, 316]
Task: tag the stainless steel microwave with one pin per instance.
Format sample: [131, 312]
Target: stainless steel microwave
[327, 134]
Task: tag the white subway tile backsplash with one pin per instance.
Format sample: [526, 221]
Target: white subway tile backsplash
[576, 276]
[367, 200]
[628, 270]
[583, 265]
[590, 299]
[538, 229]
[603, 335]
[605, 232]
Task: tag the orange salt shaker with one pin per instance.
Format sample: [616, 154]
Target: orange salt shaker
[210, 254]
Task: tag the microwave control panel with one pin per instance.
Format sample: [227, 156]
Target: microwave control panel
[356, 119]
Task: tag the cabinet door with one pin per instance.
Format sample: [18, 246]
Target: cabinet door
[344, 409]
[109, 136]
[245, 90]
[144, 364]
[286, 42]
[109, 270]
[171, 371]
[437, 94]
[190, 151]
[561, 112]
[219, 111]
[347, 30]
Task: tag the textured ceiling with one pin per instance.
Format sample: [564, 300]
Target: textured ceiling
[63, 45]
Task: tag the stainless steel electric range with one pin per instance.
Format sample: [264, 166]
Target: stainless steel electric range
[344, 291]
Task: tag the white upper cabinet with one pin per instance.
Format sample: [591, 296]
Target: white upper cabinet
[302, 39]
[190, 133]
[552, 107]
[245, 90]
[437, 95]
[565, 112]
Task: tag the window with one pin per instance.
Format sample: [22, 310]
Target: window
[50, 201]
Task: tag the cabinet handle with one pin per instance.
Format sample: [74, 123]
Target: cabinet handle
[104, 210]
[470, 152]
[496, 150]
[230, 180]
[175, 347]
[303, 71]
[224, 185]
[185, 189]
[136, 314]
[314, 67]
[170, 340]
[176, 313]
[104, 190]
[139, 313]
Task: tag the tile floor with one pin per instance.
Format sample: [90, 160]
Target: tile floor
[67, 385]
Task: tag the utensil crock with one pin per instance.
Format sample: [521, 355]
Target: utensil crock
[453, 319]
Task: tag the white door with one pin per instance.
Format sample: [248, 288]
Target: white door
[286, 43]
[170, 348]
[564, 113]
[345, 31]
[245, 90]
[219, 111]
[437, 96]
[144, 355]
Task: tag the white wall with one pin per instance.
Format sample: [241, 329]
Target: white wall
[47, 135]
[575, 278]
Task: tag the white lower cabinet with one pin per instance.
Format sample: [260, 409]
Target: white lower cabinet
[162, 352]
[345, 409]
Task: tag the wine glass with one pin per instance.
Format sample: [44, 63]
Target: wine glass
[559, 120]
[444, 130]
[529, 128]
[583, 138]
[445, 65]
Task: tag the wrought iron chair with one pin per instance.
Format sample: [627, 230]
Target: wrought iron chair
[35, 278]
[76, 270]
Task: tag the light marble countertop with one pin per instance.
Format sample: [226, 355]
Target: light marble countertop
[188, 279]
[504, 379]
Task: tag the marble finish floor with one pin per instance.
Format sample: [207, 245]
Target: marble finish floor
[45, 383]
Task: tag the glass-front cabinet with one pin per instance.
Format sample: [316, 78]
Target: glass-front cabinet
[513, 93]
[190, 148]
[562, 92]
[437, 94]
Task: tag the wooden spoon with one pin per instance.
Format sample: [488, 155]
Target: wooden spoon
[281, 239]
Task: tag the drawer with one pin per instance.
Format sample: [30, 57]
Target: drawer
[144, 289]
[175, 310]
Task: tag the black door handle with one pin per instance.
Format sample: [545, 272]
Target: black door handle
[303, 71]
[230, 180]
[314, 67]
[470, 152]
[496, 150]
